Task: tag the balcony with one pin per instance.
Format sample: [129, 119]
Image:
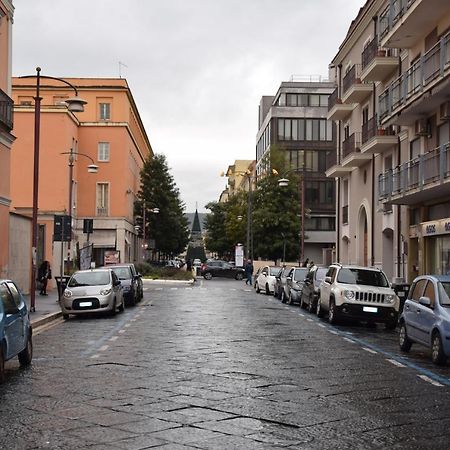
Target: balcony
[334, 167]
[351, 153]
[421, 89]
[376, 139]
[6, 111]
[418, 180]
[354, 90]
[102, 211]
[404, 22]
[378, 63]
[336, 109]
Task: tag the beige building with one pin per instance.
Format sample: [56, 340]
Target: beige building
[239, 175]
[392, 161]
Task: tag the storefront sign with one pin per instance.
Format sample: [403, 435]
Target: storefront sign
[111, 257]
[436, 227]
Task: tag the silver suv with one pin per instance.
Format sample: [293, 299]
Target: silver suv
[358, 292]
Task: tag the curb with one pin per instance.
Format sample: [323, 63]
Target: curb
[150, 281]
[39, 322]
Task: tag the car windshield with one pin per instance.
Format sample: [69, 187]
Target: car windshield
[274, 271]
[444, 293]
[93, 278]
[123, 273]
[362, 276]
[300, 274]
[320, 273]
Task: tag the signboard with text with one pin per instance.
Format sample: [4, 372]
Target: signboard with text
[111, 257]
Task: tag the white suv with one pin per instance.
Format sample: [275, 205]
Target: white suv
[358, 292]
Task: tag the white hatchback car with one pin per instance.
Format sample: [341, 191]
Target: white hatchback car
[266, 279]
[87, 291]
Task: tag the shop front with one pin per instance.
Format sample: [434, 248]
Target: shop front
[436, 236]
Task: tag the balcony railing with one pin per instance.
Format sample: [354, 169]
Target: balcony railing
[331, 159]
[373, 50]
[345, 215]
[6, 111]
[350, 145]
[422, 72]
[102, 211]
[350, 78]
[392, 14]
[333, 99]
[417, 173]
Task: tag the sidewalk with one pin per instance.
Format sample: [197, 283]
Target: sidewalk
[47, 308]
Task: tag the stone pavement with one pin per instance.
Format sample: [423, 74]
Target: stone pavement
[47, 308]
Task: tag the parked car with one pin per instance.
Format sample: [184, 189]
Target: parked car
[294, 284]
[265, 281]
[15, 327]
[197, 262]
[281, 291]
[426, 316]
[130, 283]
[361, 293]
[310, 292]
[95, 290]
[219, 268]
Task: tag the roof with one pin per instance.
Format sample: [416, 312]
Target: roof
[196, 224]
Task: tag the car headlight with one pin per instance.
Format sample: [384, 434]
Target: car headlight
[390, 298]
[67, 293]
[349, 295]
[105, 291]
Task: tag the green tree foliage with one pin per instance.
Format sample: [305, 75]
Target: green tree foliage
[217, 240]
[169, 228]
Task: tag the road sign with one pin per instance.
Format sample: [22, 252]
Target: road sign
[62, 227]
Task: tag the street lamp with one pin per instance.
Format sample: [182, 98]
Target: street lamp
[74, 104]
[144, 225]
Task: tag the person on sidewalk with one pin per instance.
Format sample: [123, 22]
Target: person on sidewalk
[248, 272]
[44, 274]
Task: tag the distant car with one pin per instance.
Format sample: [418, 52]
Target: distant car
[280, 284]
[15, 327]
[130, 283]
[219, 268]
[310, 292]
[426, 316]
[96, 290]
[265, 281]
[294, 284]
[197, 262]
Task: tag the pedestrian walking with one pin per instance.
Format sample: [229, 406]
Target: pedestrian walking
[305, 264]
[248, 272]
[44, 274]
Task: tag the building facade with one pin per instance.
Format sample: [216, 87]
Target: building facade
[295, 121]
[392, 163]
[6, 126]
[110, 134]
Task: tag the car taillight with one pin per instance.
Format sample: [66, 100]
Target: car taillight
[203, 267]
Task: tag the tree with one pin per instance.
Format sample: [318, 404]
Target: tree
[169, 228]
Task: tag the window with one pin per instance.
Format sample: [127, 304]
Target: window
[15, 293]
[7, 299]
[305, 130]
[105, 111]
[429, 292]
[103, 151]
[417, 290]
[102, 199]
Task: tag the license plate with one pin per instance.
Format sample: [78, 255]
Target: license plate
[370, 309]
[85, 304]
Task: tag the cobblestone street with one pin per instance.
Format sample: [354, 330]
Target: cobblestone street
[217, 366]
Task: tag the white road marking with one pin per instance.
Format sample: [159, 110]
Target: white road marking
[321, 325]
[429, 380]
[301, 315]
[333, 332]
[349, 340]
[396, 363]
[173, 288]
[370, 350]
[133, 320]
[122, 331]
[95, 356]
[103, 348]
[114, 338]
[127, 325]
[158, 289]
[310, 320]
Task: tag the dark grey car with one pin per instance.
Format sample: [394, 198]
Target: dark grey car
[281, 290]
[294, 283]
[310, 292]
[129, 281]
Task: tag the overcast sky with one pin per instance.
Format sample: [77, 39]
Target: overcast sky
[197, 68]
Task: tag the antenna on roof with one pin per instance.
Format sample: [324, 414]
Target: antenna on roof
[121, 64]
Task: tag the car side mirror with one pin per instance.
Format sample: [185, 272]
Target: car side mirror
[327, 280]
[117, 283]
[425, 301]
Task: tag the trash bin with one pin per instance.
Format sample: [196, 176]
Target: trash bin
[401, 289]
[61, 283]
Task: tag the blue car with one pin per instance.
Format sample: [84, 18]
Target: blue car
[426, 316]
[15, 327]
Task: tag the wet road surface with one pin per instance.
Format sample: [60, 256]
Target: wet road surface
[217, 366]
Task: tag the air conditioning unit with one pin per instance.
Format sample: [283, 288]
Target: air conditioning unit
[445, 111]
[422, 127]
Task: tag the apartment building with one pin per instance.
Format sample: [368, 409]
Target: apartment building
[108, 133]
[392, 162]
[295, 121]
[6, 125]
[240, 176]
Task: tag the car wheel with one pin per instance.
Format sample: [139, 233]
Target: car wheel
[289, 299]
[319, 311]
[65, 316]
[26, 355]
[311, 304]
[332, 313]
[258, 290]
[283, 296]
[2, 366]
[267, 289]
[114, 308]
[302, 303]
[133, 300]
[207, 276]
[403, 339]
[437, 350]
[239, 276]
[122, 306]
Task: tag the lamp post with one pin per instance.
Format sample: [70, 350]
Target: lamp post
[144, 225]
[74, 104]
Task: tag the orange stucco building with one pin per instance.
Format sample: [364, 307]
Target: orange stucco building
[6, 125]
[110, 134]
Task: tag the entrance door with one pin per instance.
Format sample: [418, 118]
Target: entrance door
[366, 243]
